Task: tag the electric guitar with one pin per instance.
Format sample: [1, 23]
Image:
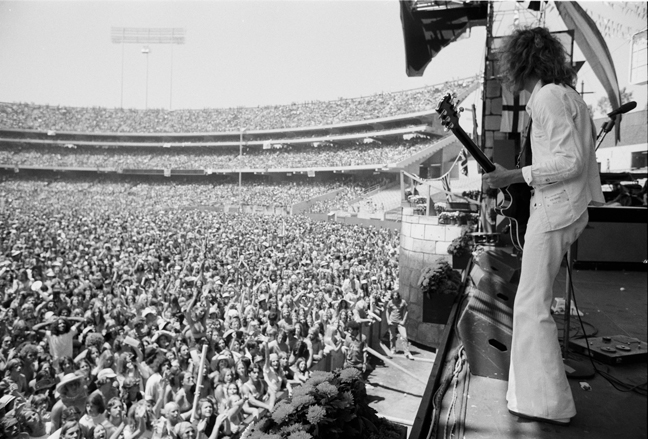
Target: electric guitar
[513, 201]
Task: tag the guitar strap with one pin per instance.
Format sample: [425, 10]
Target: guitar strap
[525, 156]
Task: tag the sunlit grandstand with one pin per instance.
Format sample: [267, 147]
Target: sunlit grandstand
[314, 157]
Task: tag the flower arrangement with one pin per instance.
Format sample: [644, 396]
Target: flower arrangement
[331, 405]
[444, 218]
[461, 245]
[439, 278]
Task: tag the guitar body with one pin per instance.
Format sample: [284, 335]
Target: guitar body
[514, 204]
[514, 200]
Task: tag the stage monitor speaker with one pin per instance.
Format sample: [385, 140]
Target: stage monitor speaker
[485, 328]
[501, 263]
[494, 285]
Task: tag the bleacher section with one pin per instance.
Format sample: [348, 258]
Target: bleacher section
[81, 145]
[331, 157]
[368, 137]
[342, 114]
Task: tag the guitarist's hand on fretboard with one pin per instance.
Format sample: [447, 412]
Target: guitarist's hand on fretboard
[502, 177]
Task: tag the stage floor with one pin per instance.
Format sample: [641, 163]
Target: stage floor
[614, 303]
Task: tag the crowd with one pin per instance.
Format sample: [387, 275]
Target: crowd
[343, 199]
[108, 301]
[142, 192]
[299, 156]
[117, 120]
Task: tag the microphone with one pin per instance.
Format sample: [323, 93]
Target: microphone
[623, 108]
[608, 125]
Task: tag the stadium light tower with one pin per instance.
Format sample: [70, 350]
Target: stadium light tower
[146, 36]
[146, 51]
[240, 169]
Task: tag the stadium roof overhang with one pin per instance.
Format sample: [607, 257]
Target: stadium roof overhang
[429, 26]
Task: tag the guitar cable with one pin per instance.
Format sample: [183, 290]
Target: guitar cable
[621, 386]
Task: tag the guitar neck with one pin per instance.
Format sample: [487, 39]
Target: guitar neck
[473, 149]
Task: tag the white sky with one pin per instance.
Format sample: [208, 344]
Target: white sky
[237, 53]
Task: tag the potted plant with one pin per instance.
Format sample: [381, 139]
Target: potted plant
[329, 405]
[439, 278]
[444, 218]
[461, 248]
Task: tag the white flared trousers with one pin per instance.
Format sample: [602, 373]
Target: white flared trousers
[538, 384]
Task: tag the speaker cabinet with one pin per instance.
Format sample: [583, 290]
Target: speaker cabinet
[501, 263]
[485, 328]
[492, 284]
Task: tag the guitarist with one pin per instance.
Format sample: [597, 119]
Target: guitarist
[564, 178]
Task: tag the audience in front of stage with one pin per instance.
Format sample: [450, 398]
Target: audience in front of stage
[108, 303]
[145, 193]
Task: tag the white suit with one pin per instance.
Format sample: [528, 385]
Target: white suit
[564, 176]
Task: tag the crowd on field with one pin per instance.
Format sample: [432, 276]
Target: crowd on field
[110, 297]
[298, 156]
[166, 194]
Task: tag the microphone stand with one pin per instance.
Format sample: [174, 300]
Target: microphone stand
[573, 369]
[605, 128]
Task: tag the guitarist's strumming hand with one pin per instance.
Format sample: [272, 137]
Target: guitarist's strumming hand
[502, 177]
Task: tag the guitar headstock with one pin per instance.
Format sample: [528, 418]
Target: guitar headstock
[448, 112]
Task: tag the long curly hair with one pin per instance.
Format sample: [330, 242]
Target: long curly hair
[534, 52]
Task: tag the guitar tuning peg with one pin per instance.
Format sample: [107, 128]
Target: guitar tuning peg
[461, 109]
